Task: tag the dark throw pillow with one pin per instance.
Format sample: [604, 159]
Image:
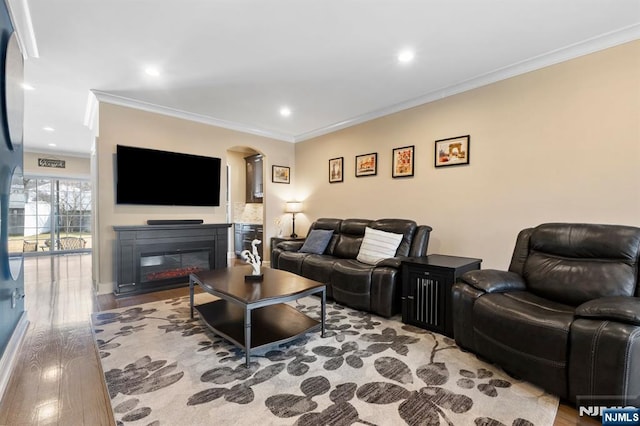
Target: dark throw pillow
[317, 241]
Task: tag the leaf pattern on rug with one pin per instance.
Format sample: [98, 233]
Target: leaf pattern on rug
[336, 320]
[216, 343]
[130, 315]
[341, 412]
[240, 393]
[424, 406]
[188, 326]
[300, 359]
[177, 322]
[389, 339]
[335, 376]
[105, 345]
[337, 356]
[417, 407]
[488, 388]
[142, 376]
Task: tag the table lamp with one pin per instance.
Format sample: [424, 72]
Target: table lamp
[293, 207]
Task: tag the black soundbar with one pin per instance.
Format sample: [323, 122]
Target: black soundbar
[175, 222]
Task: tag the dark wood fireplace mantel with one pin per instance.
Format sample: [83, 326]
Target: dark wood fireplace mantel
[158, 257]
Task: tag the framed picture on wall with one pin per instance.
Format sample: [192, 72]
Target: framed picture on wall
[367, 164]
[453, 151]
[336, 169]
[403, 159]
[280, 174]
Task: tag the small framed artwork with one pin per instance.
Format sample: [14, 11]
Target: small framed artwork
[367, 164]
[335, 169]
[453, 151]
[403, 159]
[280, 174]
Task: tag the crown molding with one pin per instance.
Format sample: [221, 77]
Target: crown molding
[573, 51]
[56, 152]
[21, 20]
[585, 47]
[172, 112]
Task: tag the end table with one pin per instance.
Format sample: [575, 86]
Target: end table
[426, 290]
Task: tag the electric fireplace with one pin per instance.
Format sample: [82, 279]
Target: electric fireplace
[158, 257]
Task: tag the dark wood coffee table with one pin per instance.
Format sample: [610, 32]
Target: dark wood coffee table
[253, 314]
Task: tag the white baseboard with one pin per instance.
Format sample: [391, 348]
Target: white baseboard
[12, 352]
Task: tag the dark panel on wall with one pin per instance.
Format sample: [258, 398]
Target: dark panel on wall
[11, 156]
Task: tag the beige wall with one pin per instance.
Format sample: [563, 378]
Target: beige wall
[558, 144]
[75, 167]
[126, 126]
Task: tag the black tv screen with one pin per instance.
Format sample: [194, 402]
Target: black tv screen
[153, 177]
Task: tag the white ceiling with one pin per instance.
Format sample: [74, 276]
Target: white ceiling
[234, 63]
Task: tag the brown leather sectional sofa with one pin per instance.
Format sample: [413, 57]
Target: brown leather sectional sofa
[373, 288]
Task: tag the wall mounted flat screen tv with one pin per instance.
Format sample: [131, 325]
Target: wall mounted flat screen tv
[153, 177]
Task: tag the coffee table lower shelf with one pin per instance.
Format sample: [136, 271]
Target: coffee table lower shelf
[268, 325]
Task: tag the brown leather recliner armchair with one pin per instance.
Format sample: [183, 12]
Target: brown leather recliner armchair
[565, 316]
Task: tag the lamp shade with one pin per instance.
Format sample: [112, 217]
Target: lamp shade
[293, 207]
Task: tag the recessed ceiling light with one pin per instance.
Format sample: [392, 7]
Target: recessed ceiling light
[152, 71]
[285, 111]
[26, 86]
[51, 144]
[406, 56]
[48, 129]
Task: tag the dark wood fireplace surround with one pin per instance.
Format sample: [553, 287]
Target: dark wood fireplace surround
[159, 257]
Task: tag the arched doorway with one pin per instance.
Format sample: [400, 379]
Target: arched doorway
[245, 195]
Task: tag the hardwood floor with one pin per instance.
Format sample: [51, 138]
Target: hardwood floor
[58, 378]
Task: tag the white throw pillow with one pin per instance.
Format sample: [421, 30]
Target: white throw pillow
[378, 245]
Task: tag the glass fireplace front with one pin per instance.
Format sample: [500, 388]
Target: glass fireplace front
[172, 265]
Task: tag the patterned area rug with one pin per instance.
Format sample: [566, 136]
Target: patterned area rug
[162, 368]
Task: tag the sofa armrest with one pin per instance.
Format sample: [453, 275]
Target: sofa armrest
[616, 308]
[494, 281]
[393, 262]
[290, 245]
